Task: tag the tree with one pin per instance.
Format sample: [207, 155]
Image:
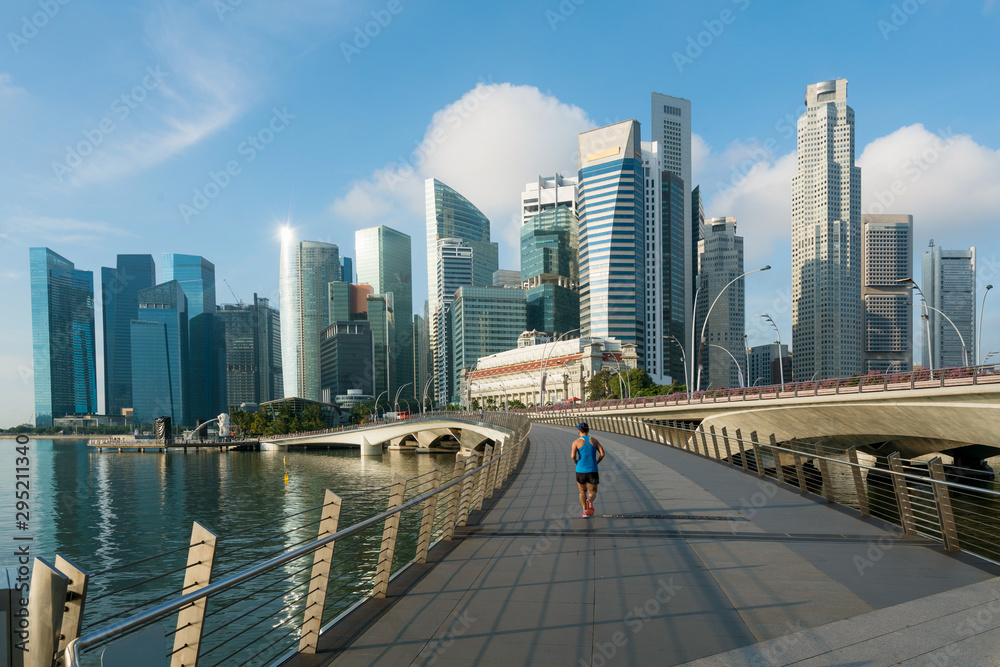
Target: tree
[312, 418]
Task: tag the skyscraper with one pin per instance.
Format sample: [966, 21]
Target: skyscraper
[546, 193]
[720, 261]
[827, 323]
[459, 253]
[666, 228]
[612, 256]
[119, 306]
[62, 337]
[949, 285]
[346, 345]
[347, 269]
[422, 360]
[252, 334]
[671, 130]
[383, 256]
[550, 247]
[207, 373]
[887, 252]
[161, 369]
[484, 321]
[305, 270]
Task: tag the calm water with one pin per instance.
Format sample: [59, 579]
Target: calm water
[104, 510]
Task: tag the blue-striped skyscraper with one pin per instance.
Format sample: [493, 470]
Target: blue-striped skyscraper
[62, 337]
[120, 305]
[161, 380]
[612, 260]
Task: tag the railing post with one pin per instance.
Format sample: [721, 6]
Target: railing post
[859, 481]
[389, 534]
[902, 495]
[778, 470]
[704, 441]
[501, 467]
[743, 454]
[76, 598]
[824, 472]
[482, 477]
[725, 442]
[451, 508]
[757, 453]
[715, 443]
[191, 619]
[46, 606]
[942, 499]
[800, 473]
[427, 520]
[466, 496]
[320, 578]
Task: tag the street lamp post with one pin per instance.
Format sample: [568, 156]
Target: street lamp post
[377, 400]
[395, 402]
[781, 360]
[423, 404]
[746, 348]
[541, 372]
[982, 311]
[911, 284]
[739, 373]
[965, 357]
[687, 381]
[704, 326]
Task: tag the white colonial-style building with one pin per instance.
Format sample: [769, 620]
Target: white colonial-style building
[566, 366]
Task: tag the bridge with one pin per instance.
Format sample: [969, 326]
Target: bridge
[953, 411]
[696, 555]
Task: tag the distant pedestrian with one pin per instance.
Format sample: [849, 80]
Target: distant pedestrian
[587, 453]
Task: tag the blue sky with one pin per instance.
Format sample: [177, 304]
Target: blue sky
[251, 113]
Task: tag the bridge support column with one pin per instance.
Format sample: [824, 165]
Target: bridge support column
[370, 449]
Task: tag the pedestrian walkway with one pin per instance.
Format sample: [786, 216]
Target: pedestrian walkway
[686, 561]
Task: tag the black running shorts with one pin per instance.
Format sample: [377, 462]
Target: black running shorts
[588, 478]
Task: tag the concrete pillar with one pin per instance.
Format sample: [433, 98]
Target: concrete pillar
[370, 449]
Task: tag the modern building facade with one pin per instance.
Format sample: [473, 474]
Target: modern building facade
[887, 255]
[459, 253]
[346, 362]
[119, 306]
[252, 335]
[827, 327]
[667, 267]
[422, 360]
[382, 319]
[949, 285]
[347, 269]
[62, 337]
[305, 271]
[161, 367]
[507, 278]
[763, 363]
[207, 374]
[484, 321]
[383, 256]
[547, 193]
[720, 261]
[550, 248]
[611, 198]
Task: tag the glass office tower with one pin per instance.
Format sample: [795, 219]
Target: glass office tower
[160, 356]
[306, 269]
[949, 285]
[120, 290]
[550, 245]
[252, 333]
[484, 321]
[196, 276]
[383, 260]
[62, 337]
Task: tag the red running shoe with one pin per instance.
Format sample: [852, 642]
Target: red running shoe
[590, 507]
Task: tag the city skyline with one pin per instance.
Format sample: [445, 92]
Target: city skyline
[932, 156]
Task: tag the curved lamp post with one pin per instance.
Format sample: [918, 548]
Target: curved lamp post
[541, 372]
[694, 319]
[377, 400]
[423, 404]
[781, 360]
[739, 373]
[965, 357]
[687, 380]
[911, 284]
[982, 311]
[395, 401]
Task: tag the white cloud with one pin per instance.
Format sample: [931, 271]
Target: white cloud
[487, 145]
[64, 231]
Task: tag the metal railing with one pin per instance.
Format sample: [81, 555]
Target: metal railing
[874, 382]
[959, 507]
[268, 604]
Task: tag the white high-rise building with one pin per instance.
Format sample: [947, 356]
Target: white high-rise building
[827, 327]
[720, 261]
[887, 247]
[547, 193]
[671, 248]
[949, 285]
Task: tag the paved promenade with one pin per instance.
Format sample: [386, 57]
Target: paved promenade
[670, 572]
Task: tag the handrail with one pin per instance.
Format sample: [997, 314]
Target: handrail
[72, 650]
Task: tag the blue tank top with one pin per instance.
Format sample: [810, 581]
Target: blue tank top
[588, 456]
